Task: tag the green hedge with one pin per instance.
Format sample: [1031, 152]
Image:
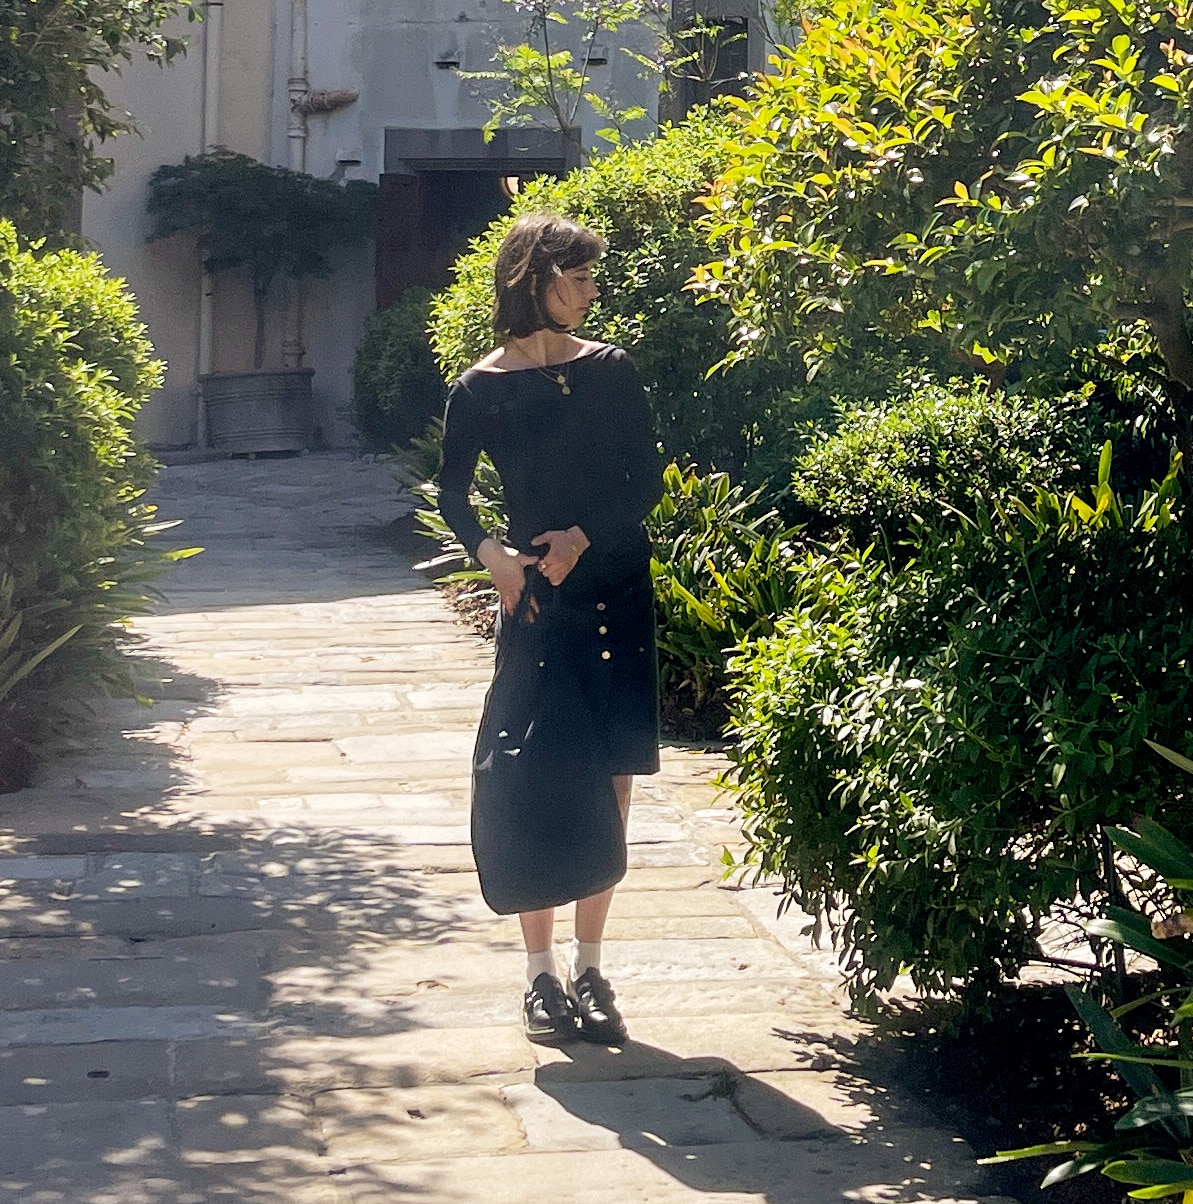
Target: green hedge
[75, 366]
[880, 468]
[928, 754]
[397, 388]
[642, 199]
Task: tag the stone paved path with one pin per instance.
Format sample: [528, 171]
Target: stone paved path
[243, 956]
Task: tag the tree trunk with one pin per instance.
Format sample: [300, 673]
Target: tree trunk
[1167, 319]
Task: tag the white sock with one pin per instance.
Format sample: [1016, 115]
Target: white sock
[586, 955]
[540, 963]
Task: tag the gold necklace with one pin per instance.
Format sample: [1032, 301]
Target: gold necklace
[558, 377]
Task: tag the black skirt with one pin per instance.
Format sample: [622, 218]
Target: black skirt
[573, 703]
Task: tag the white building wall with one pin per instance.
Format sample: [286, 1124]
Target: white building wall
[168, 103]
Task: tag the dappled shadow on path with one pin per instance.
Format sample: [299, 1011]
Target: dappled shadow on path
[179, 987]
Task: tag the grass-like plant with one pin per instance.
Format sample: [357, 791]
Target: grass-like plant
[1151, 1150]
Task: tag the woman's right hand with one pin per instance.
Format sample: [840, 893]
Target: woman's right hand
[507, 568]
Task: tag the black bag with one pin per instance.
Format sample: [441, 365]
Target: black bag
[546, 828]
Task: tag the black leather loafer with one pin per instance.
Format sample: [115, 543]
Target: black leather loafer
[600, 1021]
[548, 1015]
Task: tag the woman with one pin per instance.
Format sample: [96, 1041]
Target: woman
[566, 425]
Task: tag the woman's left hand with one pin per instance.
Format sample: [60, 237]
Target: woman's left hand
[564, 549]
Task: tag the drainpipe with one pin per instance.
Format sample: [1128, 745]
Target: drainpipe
[297, 88]
[213, 18]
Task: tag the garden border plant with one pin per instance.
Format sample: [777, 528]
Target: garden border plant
[1152, 1149]
[75, 367]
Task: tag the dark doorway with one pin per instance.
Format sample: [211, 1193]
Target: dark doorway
[424, 221]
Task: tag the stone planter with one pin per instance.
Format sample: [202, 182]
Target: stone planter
[250, 412]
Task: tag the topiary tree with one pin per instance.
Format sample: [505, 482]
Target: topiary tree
[267, 220]
[1015, 178]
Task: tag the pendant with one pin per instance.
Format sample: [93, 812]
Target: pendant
[561, 380]
[566, 390]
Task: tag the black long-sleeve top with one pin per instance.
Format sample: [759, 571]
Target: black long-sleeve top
[586, 459]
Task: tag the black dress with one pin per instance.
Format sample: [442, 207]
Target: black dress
[587, 459]
[574, 699]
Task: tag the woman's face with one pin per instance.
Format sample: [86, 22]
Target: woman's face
[570, 294]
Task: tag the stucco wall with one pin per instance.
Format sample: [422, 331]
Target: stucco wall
[167, 103]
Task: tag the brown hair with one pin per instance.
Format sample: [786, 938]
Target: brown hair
[537, 248]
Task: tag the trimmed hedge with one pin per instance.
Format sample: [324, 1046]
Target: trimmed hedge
[882, 468]
[75, 367]
[397, 388]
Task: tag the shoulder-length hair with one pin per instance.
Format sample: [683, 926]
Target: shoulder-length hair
[537, 248]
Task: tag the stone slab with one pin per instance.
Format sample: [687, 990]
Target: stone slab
[397, 806]
[35, 1136]
[39, 948]
[753, 1172]
[678, 928]
[404, 748]
[273, 1182]
[107, 1070]
[245, 1128]
[143, 918]
[803, 1005]
[398, 967]
[631, 903]
[796, 1105]
[653, 831]
[226, 1065]
[670, 853]
[25, 868]
[399, 1059]
[166, 835]
[634, 1115]
[227, 981]
[146, 865]
[81, 1026]
[694, 961]
[412, 1124]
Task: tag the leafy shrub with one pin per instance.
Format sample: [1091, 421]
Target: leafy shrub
[988, 172]
[884, 467]
[926, 754]
[640, 197]
[397, 388]
[75, 366]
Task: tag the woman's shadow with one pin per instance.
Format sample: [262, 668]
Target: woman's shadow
[707, 1124]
